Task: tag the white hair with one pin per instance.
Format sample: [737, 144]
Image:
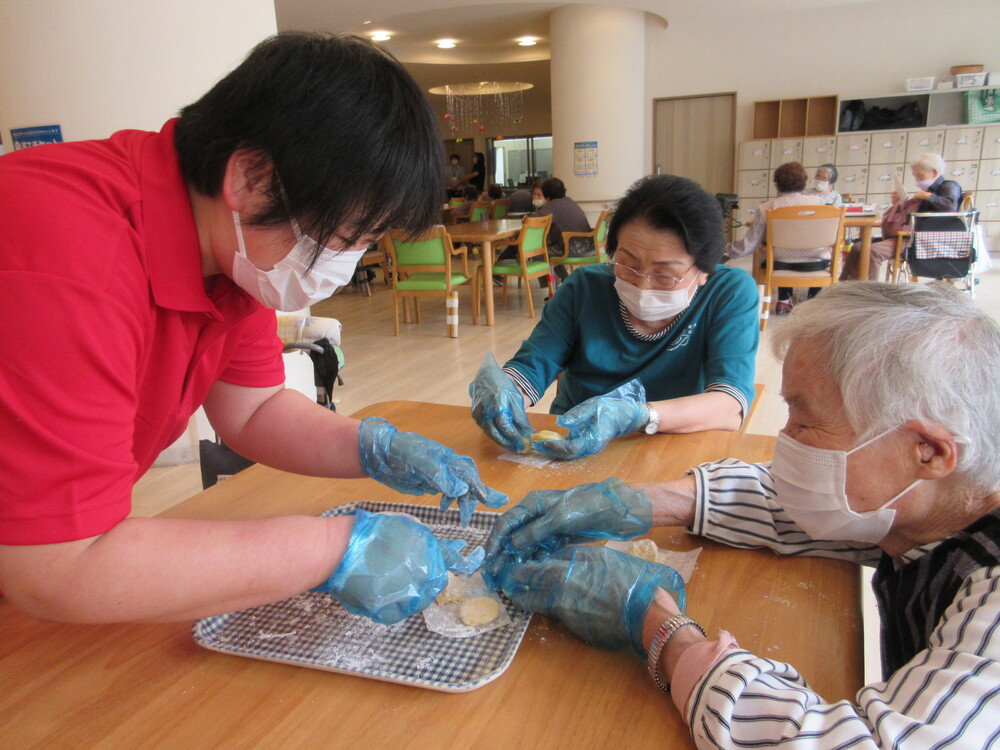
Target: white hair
[930, 161]
[901, 352]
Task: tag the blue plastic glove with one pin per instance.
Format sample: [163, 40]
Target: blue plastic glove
[600, 594]
[394, 567]
[410, 463]
[547, 520]
[498, 407]
[595, 421]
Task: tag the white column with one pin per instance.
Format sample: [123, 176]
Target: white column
[97, 66]
[598, 91]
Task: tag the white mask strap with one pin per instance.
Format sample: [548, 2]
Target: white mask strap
[239, 234]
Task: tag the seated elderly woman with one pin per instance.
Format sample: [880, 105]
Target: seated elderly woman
[822, 185]
[934, 194]
[902, 476]
[660, 338]
[790, 181]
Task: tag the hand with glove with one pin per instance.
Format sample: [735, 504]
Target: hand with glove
[597, 420]
[600, 594]
[547, 520]
[498, 407]
[394, 567]
[410, 463]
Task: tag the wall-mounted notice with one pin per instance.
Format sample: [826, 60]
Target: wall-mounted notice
[585, 158]
[24, 137]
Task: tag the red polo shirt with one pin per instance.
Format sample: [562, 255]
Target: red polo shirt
[109, 336]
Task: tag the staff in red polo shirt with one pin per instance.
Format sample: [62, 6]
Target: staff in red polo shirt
[140, 275]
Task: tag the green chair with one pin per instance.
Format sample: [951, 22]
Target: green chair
[480, 211]
[422, 268]
[532, 261]
[592, 243]
[500, 208]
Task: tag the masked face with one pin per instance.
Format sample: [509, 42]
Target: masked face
[537, 202]
[292, 284]
[652, 305]
[821, 186]
[811, 486]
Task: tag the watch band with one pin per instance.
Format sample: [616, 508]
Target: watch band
[653, 425]
[663, 634]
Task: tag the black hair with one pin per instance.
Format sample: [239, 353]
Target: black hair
[470, 193]
[676, 204]
[456, 157]
[831, 169]
[347, 141]
[494, 191]
[553, 188]
[479, 158]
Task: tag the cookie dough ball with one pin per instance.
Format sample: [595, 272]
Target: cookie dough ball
[479, 611]
[547, 435]
[452, 593]
[646, 549]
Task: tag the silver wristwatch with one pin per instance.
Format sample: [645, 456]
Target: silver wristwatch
[653, 425]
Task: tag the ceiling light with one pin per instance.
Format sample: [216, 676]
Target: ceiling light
[365, 23]
[381, 36]
[527, 41]
[446, 43]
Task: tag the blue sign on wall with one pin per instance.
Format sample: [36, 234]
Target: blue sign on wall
[24, 137]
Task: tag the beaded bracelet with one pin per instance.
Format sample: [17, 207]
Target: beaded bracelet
[663, 634]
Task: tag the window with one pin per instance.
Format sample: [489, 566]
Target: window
[521, 161]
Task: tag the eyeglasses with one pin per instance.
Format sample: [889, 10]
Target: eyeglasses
[662, 281]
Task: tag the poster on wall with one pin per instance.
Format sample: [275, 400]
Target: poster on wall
[24, 137]
[585, 159]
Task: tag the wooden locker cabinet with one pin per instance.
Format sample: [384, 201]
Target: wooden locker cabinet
[963, 144]
[817, 151]
[924, 142]
[853, 150]
[752, 183]
[888, 147]
[784, 151]
[755, 155]
[989, 175]
[880, 177]
[991, 142]
[853, 180]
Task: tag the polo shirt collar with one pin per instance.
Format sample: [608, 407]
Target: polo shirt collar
[169, 233]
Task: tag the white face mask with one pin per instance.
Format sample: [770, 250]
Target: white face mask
[291, 284]
[652, 305]
[820, 186]
[811, 486]
[924, 184]
[538, 202]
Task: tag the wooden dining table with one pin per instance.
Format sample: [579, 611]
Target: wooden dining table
[151, 686]
[485, 233]
[866, 225]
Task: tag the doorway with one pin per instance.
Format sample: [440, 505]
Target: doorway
[695, 137]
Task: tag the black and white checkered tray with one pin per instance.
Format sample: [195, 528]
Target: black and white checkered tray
[313, 630]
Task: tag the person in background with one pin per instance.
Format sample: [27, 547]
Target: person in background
[521, 200]
[464, 209]
[477, 175]
[160, 259]
[660, 339]
[904, 479]
[933, 194]
[493, 193]
[567, 216]
[822, 185]
[454, 176]
[790, 181]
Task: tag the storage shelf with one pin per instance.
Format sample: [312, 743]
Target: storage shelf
[795, 118]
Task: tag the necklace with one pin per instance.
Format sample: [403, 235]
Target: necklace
[635, 332]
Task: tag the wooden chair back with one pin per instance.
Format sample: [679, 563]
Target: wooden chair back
[500, 208]
[598, 238]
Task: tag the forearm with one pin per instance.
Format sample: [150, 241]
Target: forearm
[673, 502]
[704, 411]
[151, 569]
[294, 434]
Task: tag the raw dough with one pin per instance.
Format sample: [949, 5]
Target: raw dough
[453, 592]
[547, 435]
[479, 611]
[646, 549]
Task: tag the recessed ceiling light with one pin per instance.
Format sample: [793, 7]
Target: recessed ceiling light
[365, 23]
[381, 36]
[527, 41]
[446, 43]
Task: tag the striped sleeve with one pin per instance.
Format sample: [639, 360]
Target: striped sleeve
[735, 503]
[526, 388]
[947, 696]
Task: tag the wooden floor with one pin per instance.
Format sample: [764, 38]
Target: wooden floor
[423, 364]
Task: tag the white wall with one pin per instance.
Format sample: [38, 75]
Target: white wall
[866, 49]
[97, 66]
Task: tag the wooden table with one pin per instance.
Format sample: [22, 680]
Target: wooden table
[146, 686]
[866, 224]
[485, 233]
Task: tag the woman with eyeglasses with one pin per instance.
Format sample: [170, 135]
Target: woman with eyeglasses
[660, 339]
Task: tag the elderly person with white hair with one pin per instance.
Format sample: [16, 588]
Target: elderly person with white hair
[887, 461]
[934, 194]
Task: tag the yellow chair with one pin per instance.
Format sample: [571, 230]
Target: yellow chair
[801, 228]
[500, 208]
[532, 260]
[421, 267]
[597, 238]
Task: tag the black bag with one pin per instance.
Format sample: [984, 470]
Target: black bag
[852, 115]
[878, 118]
[219, 461]
[908, 116]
